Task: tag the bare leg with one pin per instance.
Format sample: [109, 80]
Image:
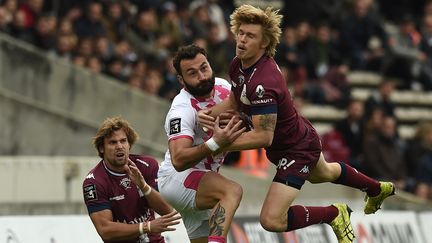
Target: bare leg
[223, 197]
[274, 212]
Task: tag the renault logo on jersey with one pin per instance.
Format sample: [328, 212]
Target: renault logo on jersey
[260, 91]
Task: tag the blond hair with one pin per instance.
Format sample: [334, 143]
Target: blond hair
[269, 19]
[108, 127]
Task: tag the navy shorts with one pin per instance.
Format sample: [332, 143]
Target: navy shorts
[294, 165]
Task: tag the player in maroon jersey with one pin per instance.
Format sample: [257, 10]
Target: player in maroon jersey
[291, 142]
[119, 192]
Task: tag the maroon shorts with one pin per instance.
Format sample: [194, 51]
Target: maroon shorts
[294, 165]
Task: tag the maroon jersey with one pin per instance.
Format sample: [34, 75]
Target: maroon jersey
[261, 89]
[106, 189]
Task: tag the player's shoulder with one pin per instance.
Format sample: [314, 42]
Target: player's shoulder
[223, 82]
[95, 174]
[181, 100]
[143, 160]
[268, 65]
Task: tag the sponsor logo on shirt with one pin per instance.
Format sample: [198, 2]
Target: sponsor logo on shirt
[90, 192]
[263, 101]
[283, 163]
[260, 91]
[117, 198]
[175, 126]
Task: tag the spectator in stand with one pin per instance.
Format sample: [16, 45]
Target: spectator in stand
[90, 25]
[185, 23]
[303, 34]
[139, 67]
[408, 61]
[103, 48]
[419, 158]
[116, 20]
[44, 35]
[373, 121]
[352, 130]
[200, 18]
[171, 87]
[382, 99]
[383, 154]
[170, 24]
[32, 9]
[4, 21]
[363, 38]
[64, 47]
[326, 76]
[19, 29]
[85, 47]
[218, 53]
[10, 6]
[426, 48]
[426, 33]
[135, 82]
[94, 64]
[144, 35]
[287, 54]
[152, 82]
[79, 61]
[114, 69]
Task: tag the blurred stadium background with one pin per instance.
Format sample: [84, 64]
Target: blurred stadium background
[67, 65]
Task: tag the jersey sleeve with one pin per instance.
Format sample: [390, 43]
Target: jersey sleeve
[263, 95]
[180, 123]
[95, 196]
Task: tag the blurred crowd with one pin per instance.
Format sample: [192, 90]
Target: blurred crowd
[133, 41]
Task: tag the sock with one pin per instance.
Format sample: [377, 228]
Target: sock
[301, 216]
[353, 178]
[216, 239]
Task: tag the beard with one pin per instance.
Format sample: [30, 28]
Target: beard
[203, 88]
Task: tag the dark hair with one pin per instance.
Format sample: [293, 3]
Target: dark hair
[186, 52]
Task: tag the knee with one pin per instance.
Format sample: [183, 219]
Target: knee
[327, 173]
[234, 192]
[272, 223]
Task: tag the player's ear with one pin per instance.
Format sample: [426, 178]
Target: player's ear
[265, 42]
[180, 79]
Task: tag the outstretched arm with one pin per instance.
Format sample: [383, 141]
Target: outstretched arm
[260, 136]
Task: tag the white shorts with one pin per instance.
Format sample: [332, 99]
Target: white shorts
[179, 189]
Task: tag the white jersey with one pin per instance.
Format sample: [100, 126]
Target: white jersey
[182, 122]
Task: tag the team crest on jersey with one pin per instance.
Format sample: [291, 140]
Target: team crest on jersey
[90, 192]
[125, 182]
[260, 91]
[175, 126]
[241, 79]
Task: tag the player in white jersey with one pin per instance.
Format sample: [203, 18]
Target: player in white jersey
[188, 178]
